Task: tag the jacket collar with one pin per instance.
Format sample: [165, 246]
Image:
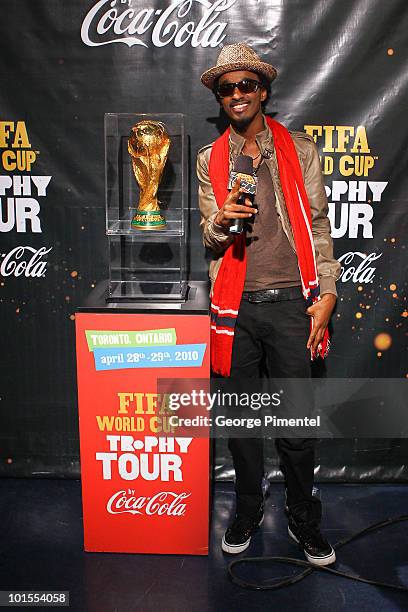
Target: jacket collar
[264, 139]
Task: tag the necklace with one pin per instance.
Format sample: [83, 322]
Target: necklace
[254, 158]
[258, 166]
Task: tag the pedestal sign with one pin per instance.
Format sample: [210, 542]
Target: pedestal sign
[143, 491]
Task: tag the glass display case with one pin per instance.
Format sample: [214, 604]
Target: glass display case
[146, 215]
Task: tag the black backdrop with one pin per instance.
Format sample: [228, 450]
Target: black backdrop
[66, 63]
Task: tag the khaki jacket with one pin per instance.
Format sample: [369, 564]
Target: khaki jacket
[217, 238]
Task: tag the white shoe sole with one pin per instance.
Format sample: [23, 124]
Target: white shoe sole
[327, 560]
[235, 549]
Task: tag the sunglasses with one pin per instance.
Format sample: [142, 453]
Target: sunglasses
[245, 86]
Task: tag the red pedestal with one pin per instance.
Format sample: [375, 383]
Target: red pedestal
[143, 491]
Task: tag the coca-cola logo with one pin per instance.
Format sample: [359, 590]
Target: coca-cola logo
[24, 261]
[165, 503]
[117, 21]
[356, 266]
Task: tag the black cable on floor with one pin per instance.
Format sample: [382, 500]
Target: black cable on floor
[288, 580]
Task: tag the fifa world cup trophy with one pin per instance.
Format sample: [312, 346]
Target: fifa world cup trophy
[148, 146]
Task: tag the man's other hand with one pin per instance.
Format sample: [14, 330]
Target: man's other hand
[321, 313]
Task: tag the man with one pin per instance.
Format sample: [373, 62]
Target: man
[269, 283]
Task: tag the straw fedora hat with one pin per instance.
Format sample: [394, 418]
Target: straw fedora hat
[238, 56]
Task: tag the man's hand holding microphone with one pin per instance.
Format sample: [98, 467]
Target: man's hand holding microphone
[238, 205]
[231, 210]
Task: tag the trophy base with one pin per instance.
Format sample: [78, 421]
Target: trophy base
[148, 220]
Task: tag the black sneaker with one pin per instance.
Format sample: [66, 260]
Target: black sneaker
[317, 549]
[238, 535]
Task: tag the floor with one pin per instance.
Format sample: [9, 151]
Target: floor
[41, 548]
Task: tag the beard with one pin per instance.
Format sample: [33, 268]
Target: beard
[241, 124]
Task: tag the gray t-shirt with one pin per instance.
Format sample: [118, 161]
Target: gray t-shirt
[271, 261]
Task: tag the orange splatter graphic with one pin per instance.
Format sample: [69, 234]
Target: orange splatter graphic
[382, 342]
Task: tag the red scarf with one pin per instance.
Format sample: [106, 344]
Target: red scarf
[229, 285]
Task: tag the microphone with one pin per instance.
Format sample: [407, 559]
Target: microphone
[243, 169]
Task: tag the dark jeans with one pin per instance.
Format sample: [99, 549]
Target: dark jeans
[274, 333]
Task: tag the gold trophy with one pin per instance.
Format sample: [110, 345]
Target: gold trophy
[148, 146]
